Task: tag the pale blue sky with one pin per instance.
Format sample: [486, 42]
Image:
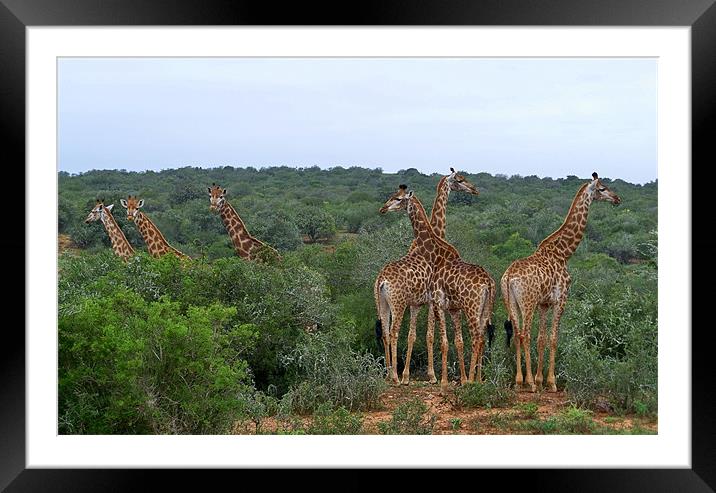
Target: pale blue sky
[544, 117]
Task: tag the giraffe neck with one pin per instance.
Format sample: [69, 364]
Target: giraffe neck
[238, 233]
[439, 210]
[427, 243]
[562, 243]
[154, 239]
[120, 245]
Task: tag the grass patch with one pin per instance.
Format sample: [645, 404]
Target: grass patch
[327, 421]
[527, 410]
[410, 418]
[576, 421]
[483, 395]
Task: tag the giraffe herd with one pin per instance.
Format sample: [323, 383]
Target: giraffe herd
[431, 274]
[245, 245]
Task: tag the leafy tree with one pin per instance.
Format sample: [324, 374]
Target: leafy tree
[316, 223]
[514, 247]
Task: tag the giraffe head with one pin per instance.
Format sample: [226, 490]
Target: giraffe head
[397, 201]
[458, 183]
[132, 204]
[97, 211]
[599, 191]
[217, 197]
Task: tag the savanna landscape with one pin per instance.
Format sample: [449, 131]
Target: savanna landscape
[219, 344]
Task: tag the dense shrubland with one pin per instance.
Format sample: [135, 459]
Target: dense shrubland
[162, 346]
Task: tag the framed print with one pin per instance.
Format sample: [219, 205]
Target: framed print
[63, 69]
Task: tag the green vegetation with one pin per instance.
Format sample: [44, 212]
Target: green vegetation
[410, 418]
[527, 410]
[160, 346]
[483, 395]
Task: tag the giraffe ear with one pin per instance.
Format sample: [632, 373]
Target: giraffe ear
[140, 204]
[224, 193]
[109, 207]
[123, 202]
[209, 188]
[410, 194]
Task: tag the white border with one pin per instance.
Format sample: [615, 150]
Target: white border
[670, 448]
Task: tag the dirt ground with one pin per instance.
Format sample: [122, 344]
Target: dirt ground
[487, 421]
[509, 420]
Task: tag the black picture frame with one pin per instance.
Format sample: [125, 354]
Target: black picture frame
[700, 15]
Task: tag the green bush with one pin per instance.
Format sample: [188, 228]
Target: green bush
[278, 301]
[575, 421]
[130, 366]
[608, 351]
[409, 418]
[316, 223]
[329, 421]
[483, 395]
[331, 372]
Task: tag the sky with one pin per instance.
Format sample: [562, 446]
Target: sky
[545, 117]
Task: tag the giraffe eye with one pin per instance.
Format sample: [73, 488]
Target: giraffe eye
[601, 189]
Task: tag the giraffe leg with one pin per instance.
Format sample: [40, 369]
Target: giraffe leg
[429, 339]
[526, 346]
[414, 311]
[540, 343]
[443, 348]
[476, 340]
[394, 332]
[482, 319]
[459, 348]
[518, 353]
[384, 310]
[513, 310]
[551, 381]
[386, 346]
[480, 351]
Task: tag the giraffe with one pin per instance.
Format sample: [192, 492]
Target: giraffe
[406, 281]
[120, 245]
[245, 245]
[157, 245]
[461, 286]
[541, 281]
[452, 182]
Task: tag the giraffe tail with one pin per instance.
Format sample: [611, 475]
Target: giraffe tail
[490, 311]
[509, 328]
[508, 331]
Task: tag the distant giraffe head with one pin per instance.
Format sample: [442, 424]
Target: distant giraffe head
[132, 204]
[397, 201]
[458, 183]
[217, 197]
[96, 212]
[599, 191]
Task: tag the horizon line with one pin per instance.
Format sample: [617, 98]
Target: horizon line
[328, 169]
